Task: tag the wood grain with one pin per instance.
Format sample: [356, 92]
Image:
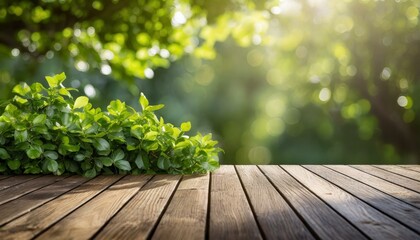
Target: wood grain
[89, 218]
[276, 218]
[187, 210]
[18, 190]
[394, 190]
[369, 220]
[28, 202]
[234, 202]
[401, 171]
[393, 207]
[138, 218]
[2, 177]
[391, 177]
[323, 220]
[230, 214]
[31, 224]
[411, 167]
[15, 180]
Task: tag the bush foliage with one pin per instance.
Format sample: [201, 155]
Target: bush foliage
[44, 130]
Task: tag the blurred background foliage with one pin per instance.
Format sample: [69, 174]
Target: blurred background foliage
[276, 81]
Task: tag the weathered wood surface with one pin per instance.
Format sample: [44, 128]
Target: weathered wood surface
[235, 202]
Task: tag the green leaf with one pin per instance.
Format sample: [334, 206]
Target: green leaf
[106, 161]
[54, 81]
[4, 154]
[123, 165]
[37, 87]
[64, 92]
[40, 119]
[101, 144]
[117, 155]
[20, 100]
[21, 136]
[79, 157]
[80, 102]
[163, 163]
[186, 126]
[98, 163]
[22, 89]
[52, 165]
[3, 167]
[33, 170]
[90, 173]
[154, 107]
[51, 155]
[150, 146]
[139, 162]
[69, 147]
[13, 164]
[71, 166]
[116, 107]
[34, 152]
[151, 136]
[137, 131]
[143, 101]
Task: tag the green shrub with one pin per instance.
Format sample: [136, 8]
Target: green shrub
[43, 130]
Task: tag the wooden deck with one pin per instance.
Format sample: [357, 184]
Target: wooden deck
[235, 202]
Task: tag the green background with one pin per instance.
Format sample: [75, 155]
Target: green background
[317, 81]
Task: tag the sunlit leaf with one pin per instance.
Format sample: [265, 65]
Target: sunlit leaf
[143, 101]
[40, 119]
[186, 126]
[80, 102]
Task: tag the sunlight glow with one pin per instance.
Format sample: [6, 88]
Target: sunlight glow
[107, 54]
[82, 66]
[402, 101]
[15, 52]
[178, 19]
[259, 155]
[90, 91]
[325, 94]
[386, 73]
[106, 69]
[148, 73]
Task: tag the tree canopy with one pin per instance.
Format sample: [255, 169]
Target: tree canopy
[315, 81]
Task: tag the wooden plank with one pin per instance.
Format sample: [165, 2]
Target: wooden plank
[187, 210]
[31, 224]
[394, 208]
[138, 218]
[276, 218]
[323, 220]
[22, 205]
[394, 190]
[89, 218]
[369, 220]
[19, 190]
[391, 177]
[411, 167]
[230, 214]
[4, 177]
[15, 180]
[401, 171]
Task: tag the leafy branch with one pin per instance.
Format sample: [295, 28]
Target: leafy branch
[45, 130]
